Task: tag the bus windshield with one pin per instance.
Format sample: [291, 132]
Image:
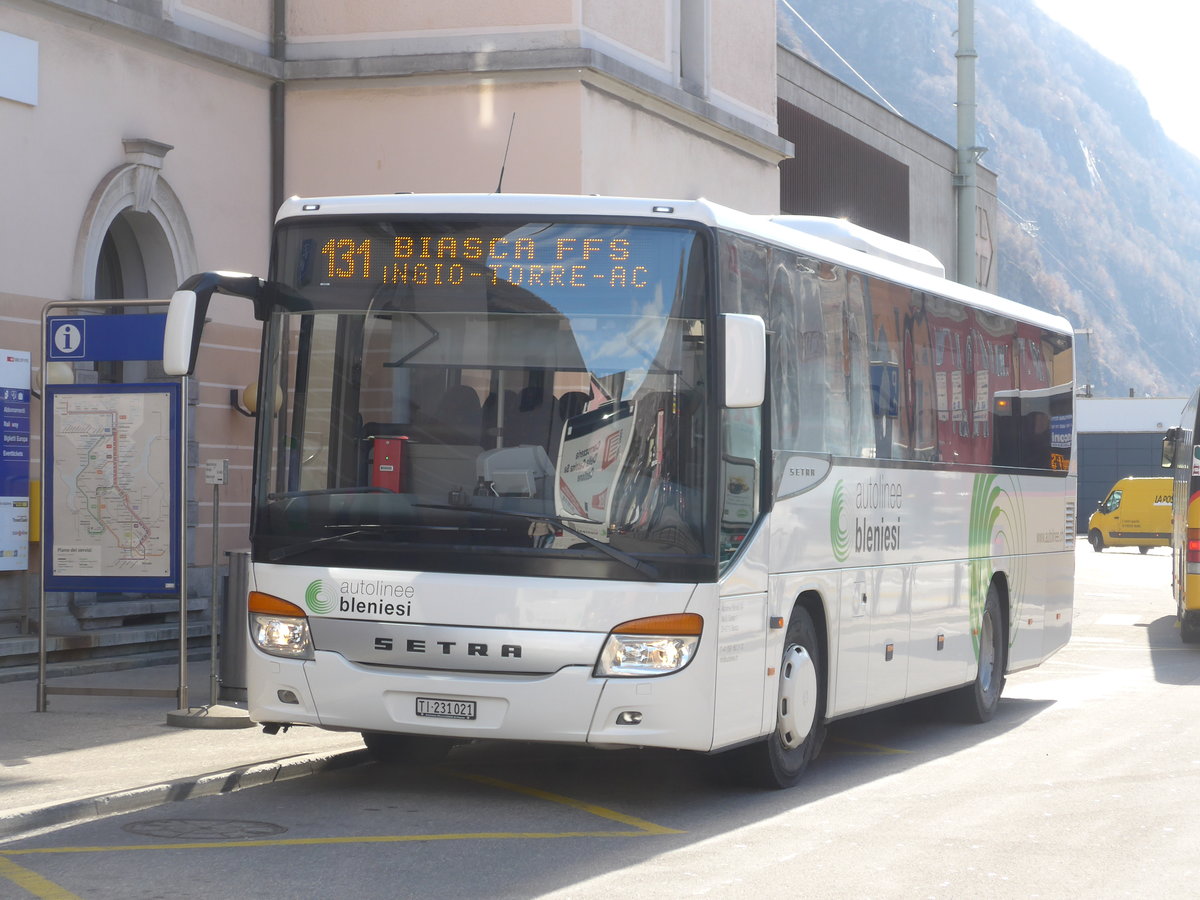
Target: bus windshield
[502, 396]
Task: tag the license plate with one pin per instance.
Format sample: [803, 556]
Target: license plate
[445, 709]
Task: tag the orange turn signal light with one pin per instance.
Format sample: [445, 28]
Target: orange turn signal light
[273, 606]
[674, 623]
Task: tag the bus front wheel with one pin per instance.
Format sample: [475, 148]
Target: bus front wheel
[1096, 539]
[780, 760]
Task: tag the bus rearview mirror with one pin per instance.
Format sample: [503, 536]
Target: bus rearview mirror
[745, 360]
[1168, 448]
[177, 340]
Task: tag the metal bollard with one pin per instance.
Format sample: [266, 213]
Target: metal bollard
[235, 631]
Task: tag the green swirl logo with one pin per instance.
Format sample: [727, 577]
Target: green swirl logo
[317, 598]
[995, 536]
[839, 535]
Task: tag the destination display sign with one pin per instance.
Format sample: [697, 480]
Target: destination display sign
[442, 260]
[568, 258]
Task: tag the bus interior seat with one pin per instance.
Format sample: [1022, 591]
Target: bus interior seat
[527, 419]
[491, 415]
[458, 418]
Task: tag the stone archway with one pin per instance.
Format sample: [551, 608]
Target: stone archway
[134, 237]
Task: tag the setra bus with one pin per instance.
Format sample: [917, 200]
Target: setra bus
[635, 473]
[1182, 456]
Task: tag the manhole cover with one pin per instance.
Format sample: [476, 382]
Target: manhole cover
[204, 829]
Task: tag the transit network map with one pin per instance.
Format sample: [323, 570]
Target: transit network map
[112, 485]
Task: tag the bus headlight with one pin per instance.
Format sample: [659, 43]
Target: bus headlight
[657, 645]
[279, 627]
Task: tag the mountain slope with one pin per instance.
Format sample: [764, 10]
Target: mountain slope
[1100, 210]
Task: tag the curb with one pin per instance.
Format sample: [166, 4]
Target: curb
[23, 824]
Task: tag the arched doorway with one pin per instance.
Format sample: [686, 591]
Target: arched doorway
[135, 243]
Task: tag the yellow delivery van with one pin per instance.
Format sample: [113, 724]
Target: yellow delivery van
[1136, 513]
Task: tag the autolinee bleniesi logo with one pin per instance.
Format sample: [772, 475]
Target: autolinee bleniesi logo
[319, 598]
[364, 598]
[839, 535]
[875, 504]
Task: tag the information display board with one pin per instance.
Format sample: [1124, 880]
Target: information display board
[96, 338]
[111, 499]
[14, 460]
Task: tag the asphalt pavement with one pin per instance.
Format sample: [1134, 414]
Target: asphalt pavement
[89, 756]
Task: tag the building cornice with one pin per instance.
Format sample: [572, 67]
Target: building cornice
[616, 77]
[601, 69]
[153, 26]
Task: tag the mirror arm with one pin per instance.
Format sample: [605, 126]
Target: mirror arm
[189, 306]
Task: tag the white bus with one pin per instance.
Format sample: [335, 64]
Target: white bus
[622, 472]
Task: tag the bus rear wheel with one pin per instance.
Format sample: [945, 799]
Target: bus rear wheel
[1189, 627]
[387, 747]
[977, 701]
[1096, 539]
[780, 760]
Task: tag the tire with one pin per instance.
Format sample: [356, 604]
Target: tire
[779, 760]
[977, 701]
[1143, 550]
[386, 747]
[1096, 539]
[1189, 627]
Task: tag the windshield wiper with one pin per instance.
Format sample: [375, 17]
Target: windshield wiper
[328, 492]
[293, 549]
[649, 570]
[280, 553]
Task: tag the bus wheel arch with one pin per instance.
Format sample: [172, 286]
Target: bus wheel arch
[977, 701]
[780, 759]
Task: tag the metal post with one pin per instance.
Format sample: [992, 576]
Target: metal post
[213, 677]
[183, 556]
[214, 715]
[968, 153]
[41, 677]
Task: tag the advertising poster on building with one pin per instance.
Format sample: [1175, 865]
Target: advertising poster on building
[14, 460]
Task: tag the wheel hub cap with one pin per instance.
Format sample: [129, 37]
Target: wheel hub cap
[797, 696]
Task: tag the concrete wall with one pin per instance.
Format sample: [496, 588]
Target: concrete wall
[933, 211]
[1118, 437]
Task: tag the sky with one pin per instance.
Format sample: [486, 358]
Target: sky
[1156, 41]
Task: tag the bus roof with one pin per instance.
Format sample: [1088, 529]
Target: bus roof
[832, 240]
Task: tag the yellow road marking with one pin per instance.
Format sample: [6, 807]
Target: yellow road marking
[602, 812]
[309, 842]
[33, 883]
[871, 748]
[641, 827]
